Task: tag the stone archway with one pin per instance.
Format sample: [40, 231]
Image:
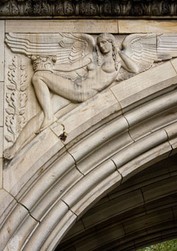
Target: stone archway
[109, 144]
[137, 213]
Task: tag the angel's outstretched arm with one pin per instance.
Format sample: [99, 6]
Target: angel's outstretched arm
[74, 66]
[127, 63]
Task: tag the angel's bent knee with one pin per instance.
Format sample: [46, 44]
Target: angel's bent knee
[37, 77]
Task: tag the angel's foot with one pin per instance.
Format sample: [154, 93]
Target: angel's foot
[10, 152]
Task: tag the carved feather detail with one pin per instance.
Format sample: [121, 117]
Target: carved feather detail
[146, 49]
[66, 47]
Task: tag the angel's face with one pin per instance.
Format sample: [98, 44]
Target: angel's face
[104, 45]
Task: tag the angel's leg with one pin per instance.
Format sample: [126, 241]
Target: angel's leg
[63, 87]
[25, 136]
[29, 131]
[44, 98]
[44, 81]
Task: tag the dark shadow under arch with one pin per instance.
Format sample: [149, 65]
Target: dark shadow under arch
[141, 211]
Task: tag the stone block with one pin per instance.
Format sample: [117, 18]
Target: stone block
[172, 135]
[159, 189]
[100, 236]
[174, 63]
[1, 169]
[145, 160]
[138, 88]
[139, 26]
[55, 221]
[85, 26]
[78, 228]
[30, 159]
[1, 50]
[1, 141]
[138, 148]
[97, 193]
[150, 122]
[12, 223]
[6, 202]
[1, 103]
[17, 241]
[107, 132]
[59, 231]
[102, 153]
[89, 113]
[148, 220]
[113, 208]
[51, 195]
[88, 182]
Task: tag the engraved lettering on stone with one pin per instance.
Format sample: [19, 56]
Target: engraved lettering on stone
[78, 66]
[16, 98]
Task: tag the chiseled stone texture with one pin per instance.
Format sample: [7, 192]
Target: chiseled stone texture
[143, 85]
[54, 179]
[144, 206]
[2, 50]
[1, 141]
[138, 26]
[85, 26]
[1, 103]
[83, 9]
[1, 172]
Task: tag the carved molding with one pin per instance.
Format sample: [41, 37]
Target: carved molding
[86, 8]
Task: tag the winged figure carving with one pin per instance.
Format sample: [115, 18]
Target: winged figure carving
[147, 49]
[78, 66]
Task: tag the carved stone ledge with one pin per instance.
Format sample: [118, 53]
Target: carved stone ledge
[86, 8]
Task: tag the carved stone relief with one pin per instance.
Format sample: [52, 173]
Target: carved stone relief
[16, 99]
[73, 67]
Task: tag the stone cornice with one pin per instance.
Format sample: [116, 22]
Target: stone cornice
[88, 8]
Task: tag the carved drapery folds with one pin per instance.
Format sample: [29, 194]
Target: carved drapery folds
[100, 8]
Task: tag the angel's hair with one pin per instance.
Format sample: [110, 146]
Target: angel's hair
[111, 39]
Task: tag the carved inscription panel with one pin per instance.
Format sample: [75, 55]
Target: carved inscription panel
[46, 72]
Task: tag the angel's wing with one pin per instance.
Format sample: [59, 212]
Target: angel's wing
[143, 50]
[66, 47]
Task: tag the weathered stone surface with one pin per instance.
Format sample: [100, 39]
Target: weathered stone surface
[158, 189]
[1, 141]
[21, 236]
[171, 132]
[65, 160]
[2, 50]
[129, 26]
[145, 84]
[6, 202]
[1, 172]
[1, 103]
[36, 155]
[146, 159]
[93, 178]
[119, 205]
[84, 26]
[89, 113]
[60, 213]
[89, 8]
